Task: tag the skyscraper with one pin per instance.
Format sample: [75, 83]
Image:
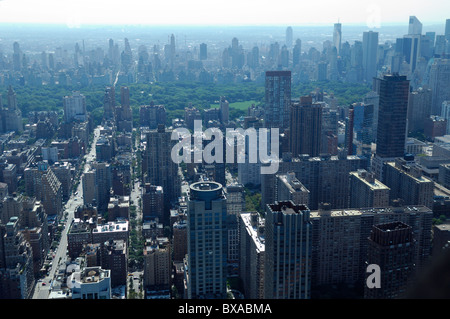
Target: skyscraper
[17, 57]
[124, 116]
[277, 99]
[203, 55]
[393, 106]
[109, 103]
[97, 185]
[391, 247]
[415, 26]
[305, 127]
[235, 206]
[439, 84]
[337, 37]
[252, 250]
[325, 177]
[289, 37]
[297, 52]
[419, 108]
[224, 110]
[158, 164]
[370, 51]
[287, 269]
[411, 50]
[447, 29]
[206, 270]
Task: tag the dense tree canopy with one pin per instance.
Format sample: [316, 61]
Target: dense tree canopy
[175, 96]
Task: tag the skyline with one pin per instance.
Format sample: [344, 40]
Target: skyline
[76, 14]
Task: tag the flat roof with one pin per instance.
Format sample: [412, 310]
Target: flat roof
[253, 232]
[375, 185]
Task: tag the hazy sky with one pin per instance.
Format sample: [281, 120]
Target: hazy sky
[75, 13]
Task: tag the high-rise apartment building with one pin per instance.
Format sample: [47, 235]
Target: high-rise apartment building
[17, 277]
[158, 165]
[235, 206]
[109, 104]
[11, 117]
[305, 131]
[288, 187]
[206, 264]
[124, 116]
[326, 178]
[179, 240]
[252, 254]
[391, 247]
[152, 115]
[277, 99]
[341, 240]
[97, 185]
[407, 182]
[366, 191]
[114, 256]
[41, 182]
[157, 264]
[288, 243]
[75, 107]
[152, 202]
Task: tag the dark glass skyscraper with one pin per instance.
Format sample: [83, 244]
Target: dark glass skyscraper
[393, 107]
[277, 99]
[305, 127]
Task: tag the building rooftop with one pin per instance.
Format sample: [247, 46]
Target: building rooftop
[117, 226]
[443, 227]
[367, 211]
[368, 180]
[252, 230]
[287, 207]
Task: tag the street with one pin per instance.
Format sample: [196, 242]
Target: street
[43, 286]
